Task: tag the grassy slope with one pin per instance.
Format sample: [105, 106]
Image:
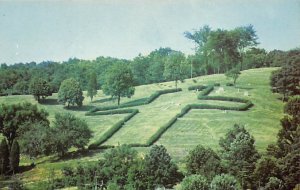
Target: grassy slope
[197, 127]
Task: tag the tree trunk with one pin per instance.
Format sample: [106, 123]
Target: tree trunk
[119, 98]
[176, 84]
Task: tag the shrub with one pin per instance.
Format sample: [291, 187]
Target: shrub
[206, 91]
[194, 182]
[224, 182]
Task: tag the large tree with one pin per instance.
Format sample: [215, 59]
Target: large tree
[70, 92]
[92, 85]
[70, 132]
[15, 119]
[40, 88]
[119, 82]
[14, 156]
[176, 67]
[240, 154]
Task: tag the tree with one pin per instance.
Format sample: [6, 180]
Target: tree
[203, 161]
[234, 74]
[265, 169]
[274, 183]
[137, 176]
[239, 152]
[92, 85]
[287, 79]
[70, 131]
[117, 163]
[15, 119]
[4, 157]
[194, 182]
[14, 156]
[36, 141]
[224, 182]
[292, 107]
[70, 92]
[160, 168]
[40, 88]
[119, 82]
[175, 67]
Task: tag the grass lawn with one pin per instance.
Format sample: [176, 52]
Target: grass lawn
[196, 127]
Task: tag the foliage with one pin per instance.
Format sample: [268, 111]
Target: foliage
[117, 163]
[40, 88]
[286, 80]
[4, 157]
[175, 67]
[274, 183]
[15, 119]
[14, 157]
[160, 168]
[194, 182]
[92, 86]
[224, 182]
[197, 87]
[233, 73]
[37, 140]
[292, 107]
[203, 161]
[266, 168]
[70, 92]
[119, 82]
[240, 154]
[70, 131]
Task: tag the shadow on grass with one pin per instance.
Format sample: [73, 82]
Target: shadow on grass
[84, 108]
[49, 101]
[26, 168]
[243, 88]
[77, 155]
[138, 101]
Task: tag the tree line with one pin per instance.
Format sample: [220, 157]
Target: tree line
[216, 51]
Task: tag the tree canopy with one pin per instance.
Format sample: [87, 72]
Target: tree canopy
[70, 92]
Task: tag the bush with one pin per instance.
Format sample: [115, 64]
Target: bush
[194, 182]
[160, 92]
[206, 91]
[217, 84]
[224, 182]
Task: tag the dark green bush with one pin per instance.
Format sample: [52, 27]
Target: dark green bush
[206, 91]
[160, 92]
[229, 84]
[217, 84]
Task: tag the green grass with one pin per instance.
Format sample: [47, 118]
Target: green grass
[196, 127]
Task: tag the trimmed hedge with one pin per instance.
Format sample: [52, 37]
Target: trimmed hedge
[203, 95]
[139, 102]
[196, 87]
[115, 127]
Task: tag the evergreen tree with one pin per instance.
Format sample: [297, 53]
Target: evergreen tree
[224, 182]
[92, 86]
[4, 157]
[14, 157]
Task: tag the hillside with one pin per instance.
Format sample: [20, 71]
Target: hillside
[198, 126]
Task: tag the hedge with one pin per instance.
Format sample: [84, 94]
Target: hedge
[115, 127]
[203, 95]
[141, 101]
[196, 87]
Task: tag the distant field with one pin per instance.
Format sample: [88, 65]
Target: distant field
[196, 127]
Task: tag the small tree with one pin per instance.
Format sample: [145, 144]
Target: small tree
[234, 74]
[14, 156]
[40, 88]
[70, 92]
[4, 157]
[175, 67]
[119, 82]
[160, 168]
[92, 86]
[70, 131]
[204, 162]
[224, 182]
[194, 182]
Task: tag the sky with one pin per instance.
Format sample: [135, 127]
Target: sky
[56, 30]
